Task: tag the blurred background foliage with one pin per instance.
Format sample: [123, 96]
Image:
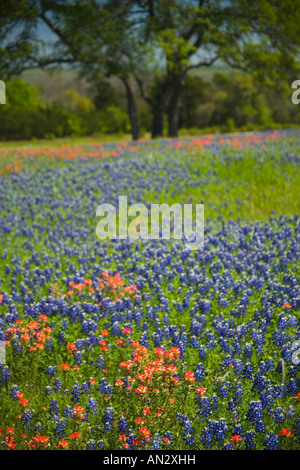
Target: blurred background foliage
[223, 101]
[164, 67]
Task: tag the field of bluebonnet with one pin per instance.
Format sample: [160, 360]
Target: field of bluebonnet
[147, 345]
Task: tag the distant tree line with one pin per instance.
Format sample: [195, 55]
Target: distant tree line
[152, 47]
[228, 102]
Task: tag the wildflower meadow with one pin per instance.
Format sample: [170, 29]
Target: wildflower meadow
[142, 344]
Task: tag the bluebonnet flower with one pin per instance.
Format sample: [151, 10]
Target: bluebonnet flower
[214, 432]
[5, 374]
[108, 419]
[205, 407]
[194, 343]
[248, 350]
[101, 363]
[51, 370]
[290, 413]
[254, 413]
[78, 358]
[116, 329]
[278, 415]
[61, 337]
[199, 372]
[238, 393]
[104, 387]
[101, 444]
[260, 426]
[60, 427]
[131, 440]
[297, 427]
[224, 389]
[92, 405]
[53, 407]
[204, 305]
[91, 445]
[186, 424]
[248, 371]
[292, 387]
[249, 440]
[85, 387]
[13, 392]
[122, 424]
[202, 351]
[231, 405]
[220, 429]
[27, 416]
[238, 430]
[144, 340]
[156, 442]
[271, 441]
[38, 427]
[259, 382]
[207, 437]
[68, 411]
[228, 447]
[57, 385]
[214, 402]
[76, 392]
[267, 399]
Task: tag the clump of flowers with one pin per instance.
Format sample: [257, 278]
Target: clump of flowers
[109, 286]
[33, 335]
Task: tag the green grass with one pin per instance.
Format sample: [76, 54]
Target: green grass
[241, 185]
[60, 141]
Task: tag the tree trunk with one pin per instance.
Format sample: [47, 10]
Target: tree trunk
[174, 108]
[132, 109]
[174, 114]
[159, 110]
[158, 121]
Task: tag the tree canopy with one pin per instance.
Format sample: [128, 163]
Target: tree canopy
[129, 38]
